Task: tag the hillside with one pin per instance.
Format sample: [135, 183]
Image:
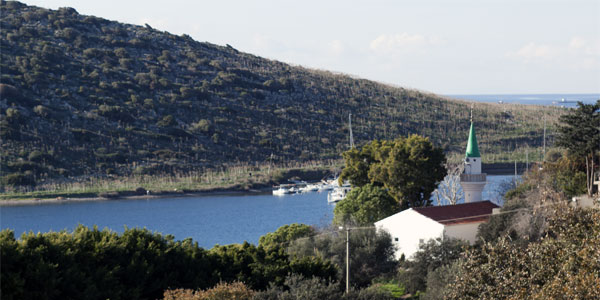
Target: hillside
[81, 95]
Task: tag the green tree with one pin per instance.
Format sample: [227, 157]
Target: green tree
[358, 162]
[138, 264]
[285, 234]
[365, 205]
[580, 134]
[409, 168]
[371, 255]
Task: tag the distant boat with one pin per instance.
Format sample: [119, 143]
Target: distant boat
[284, 189]
[338, 193]
[309, 188]
[325, 187]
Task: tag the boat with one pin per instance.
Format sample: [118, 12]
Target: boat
[309, 188]
[338, 193]
[325, 187]
[283, 189]
[294, 189]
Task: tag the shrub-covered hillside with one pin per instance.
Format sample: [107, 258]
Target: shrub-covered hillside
[84, 95]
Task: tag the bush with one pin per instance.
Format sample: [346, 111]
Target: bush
[439, 279]
[138, 264]
[222, 291]
[285, 234]
[431, 255]
[298, 287]
[18, 179]
[41, 111]
[371, 256]
[39, 156]
[563, 265]
[23, 166]
[166, 121]
[392, 287]
[502, 224]
[201, 126]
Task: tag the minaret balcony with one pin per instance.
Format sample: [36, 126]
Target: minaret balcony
[473, 177]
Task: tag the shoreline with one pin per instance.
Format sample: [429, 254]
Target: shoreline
[258, 189]
[161, 194]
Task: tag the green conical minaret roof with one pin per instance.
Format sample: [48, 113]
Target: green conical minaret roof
[472, 149]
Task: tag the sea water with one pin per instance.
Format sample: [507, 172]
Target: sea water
[563, 100]
[208, 220]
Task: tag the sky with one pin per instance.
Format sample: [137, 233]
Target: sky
[441, 46]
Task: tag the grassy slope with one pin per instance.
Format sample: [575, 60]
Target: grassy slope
[86, 96]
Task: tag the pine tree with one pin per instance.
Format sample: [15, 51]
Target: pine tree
[580, 134]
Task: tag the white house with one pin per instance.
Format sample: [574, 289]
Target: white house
[414, 225]
[410, 227]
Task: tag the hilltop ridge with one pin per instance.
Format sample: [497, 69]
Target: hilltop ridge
[84, 95]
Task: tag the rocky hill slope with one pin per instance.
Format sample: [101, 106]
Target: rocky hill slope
[84, 95]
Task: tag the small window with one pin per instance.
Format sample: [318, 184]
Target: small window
[395, 239]
[474, 159]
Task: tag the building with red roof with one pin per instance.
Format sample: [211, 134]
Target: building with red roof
[410, 227]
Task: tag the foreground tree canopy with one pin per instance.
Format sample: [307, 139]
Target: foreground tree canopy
[563, 265]
[138, 264]
[408, 168]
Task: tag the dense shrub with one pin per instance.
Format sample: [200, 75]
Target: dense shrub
[431, 255]
[18, 179]
[301, 288]
[563, 265]
[285, 234]
[298, 287]
[439, 279]
[138, 264]
[222, 291]
[371, 254]
[503, 224]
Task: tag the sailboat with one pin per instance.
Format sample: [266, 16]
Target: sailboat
[339, 192]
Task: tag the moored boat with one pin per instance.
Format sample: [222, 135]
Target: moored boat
[338, 193]
[283, 190]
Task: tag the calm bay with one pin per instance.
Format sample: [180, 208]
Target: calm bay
[209, 220]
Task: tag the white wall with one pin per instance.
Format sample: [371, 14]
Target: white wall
[465, 231]
[409, 227]
[473, 165]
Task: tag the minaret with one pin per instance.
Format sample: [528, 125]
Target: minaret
[472, 180]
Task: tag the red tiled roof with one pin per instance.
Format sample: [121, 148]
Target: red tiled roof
[459, 213]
